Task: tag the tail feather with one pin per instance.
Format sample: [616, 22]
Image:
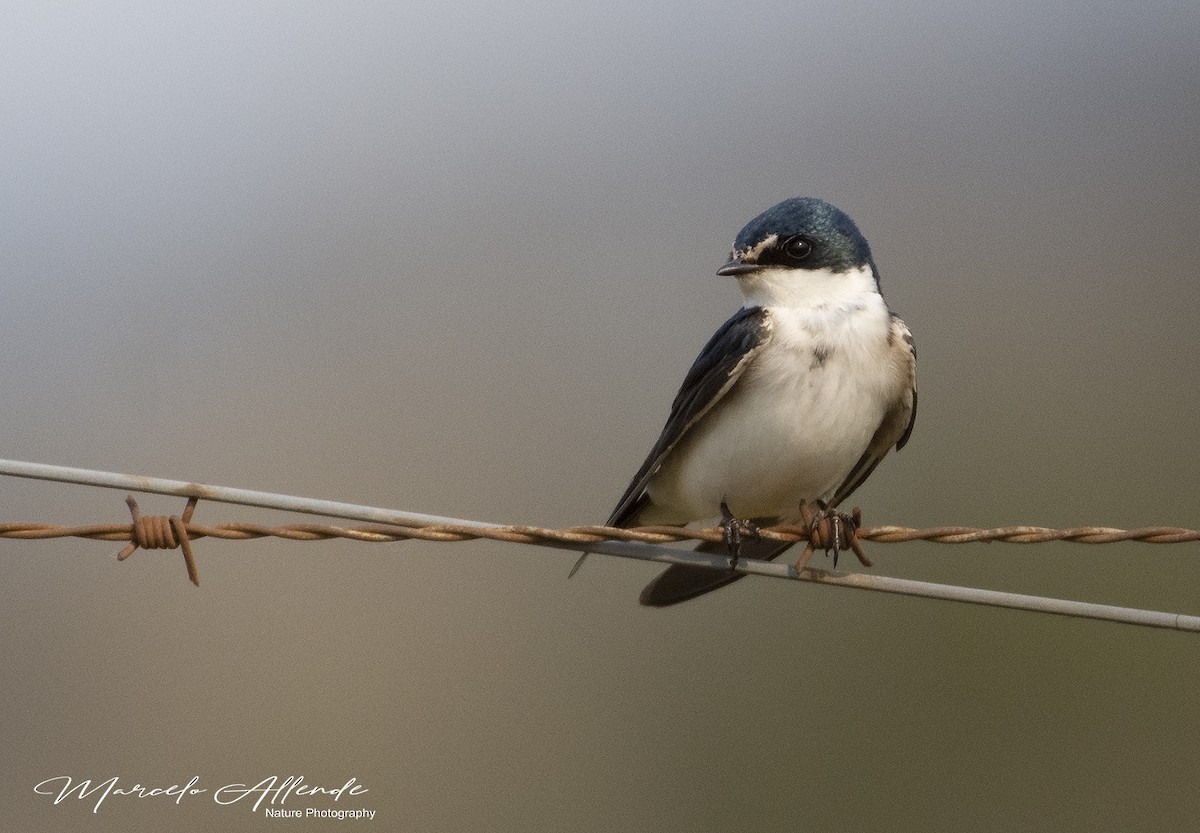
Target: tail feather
[678, 583]
[578, 564]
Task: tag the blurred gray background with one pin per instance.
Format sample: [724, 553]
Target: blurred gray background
[455, 258]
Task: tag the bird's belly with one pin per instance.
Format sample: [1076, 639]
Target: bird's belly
[766, 446]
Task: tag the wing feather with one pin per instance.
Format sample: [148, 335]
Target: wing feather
[715, 371]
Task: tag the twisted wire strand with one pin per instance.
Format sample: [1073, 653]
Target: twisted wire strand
[519, 534]
[643, 544]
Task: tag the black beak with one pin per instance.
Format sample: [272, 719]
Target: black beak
[736, 268]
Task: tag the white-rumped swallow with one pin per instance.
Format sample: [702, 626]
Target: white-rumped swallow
[797, 397]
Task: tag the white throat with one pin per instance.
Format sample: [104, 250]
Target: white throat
[808, 288]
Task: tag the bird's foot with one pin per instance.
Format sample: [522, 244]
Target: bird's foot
[735, 530]
[831, 530]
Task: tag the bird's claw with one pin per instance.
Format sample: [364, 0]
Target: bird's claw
[735, 530]
[831, 530]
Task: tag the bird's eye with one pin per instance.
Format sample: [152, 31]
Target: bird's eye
[798, 248]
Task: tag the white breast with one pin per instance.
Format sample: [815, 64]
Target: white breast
[797, 420]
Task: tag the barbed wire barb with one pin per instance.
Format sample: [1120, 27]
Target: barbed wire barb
[643, 544]
[160, 532]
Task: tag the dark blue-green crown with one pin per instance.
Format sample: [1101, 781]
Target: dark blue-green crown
[836, 243]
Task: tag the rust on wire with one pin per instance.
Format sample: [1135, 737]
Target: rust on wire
[146, 531]
[162, 532]
[1031, 535]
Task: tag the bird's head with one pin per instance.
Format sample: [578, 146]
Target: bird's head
[801, 251]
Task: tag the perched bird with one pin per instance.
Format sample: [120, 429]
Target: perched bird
[797, 397]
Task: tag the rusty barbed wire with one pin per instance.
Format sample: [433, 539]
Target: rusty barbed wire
[162, 532]
[824, 531]
[521, 534]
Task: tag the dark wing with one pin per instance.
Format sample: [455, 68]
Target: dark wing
[713, 373]
[678, 583]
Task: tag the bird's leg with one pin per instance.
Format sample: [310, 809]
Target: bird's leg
[835, 520]
[830, 529]
[836, 533]
[734, 529]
